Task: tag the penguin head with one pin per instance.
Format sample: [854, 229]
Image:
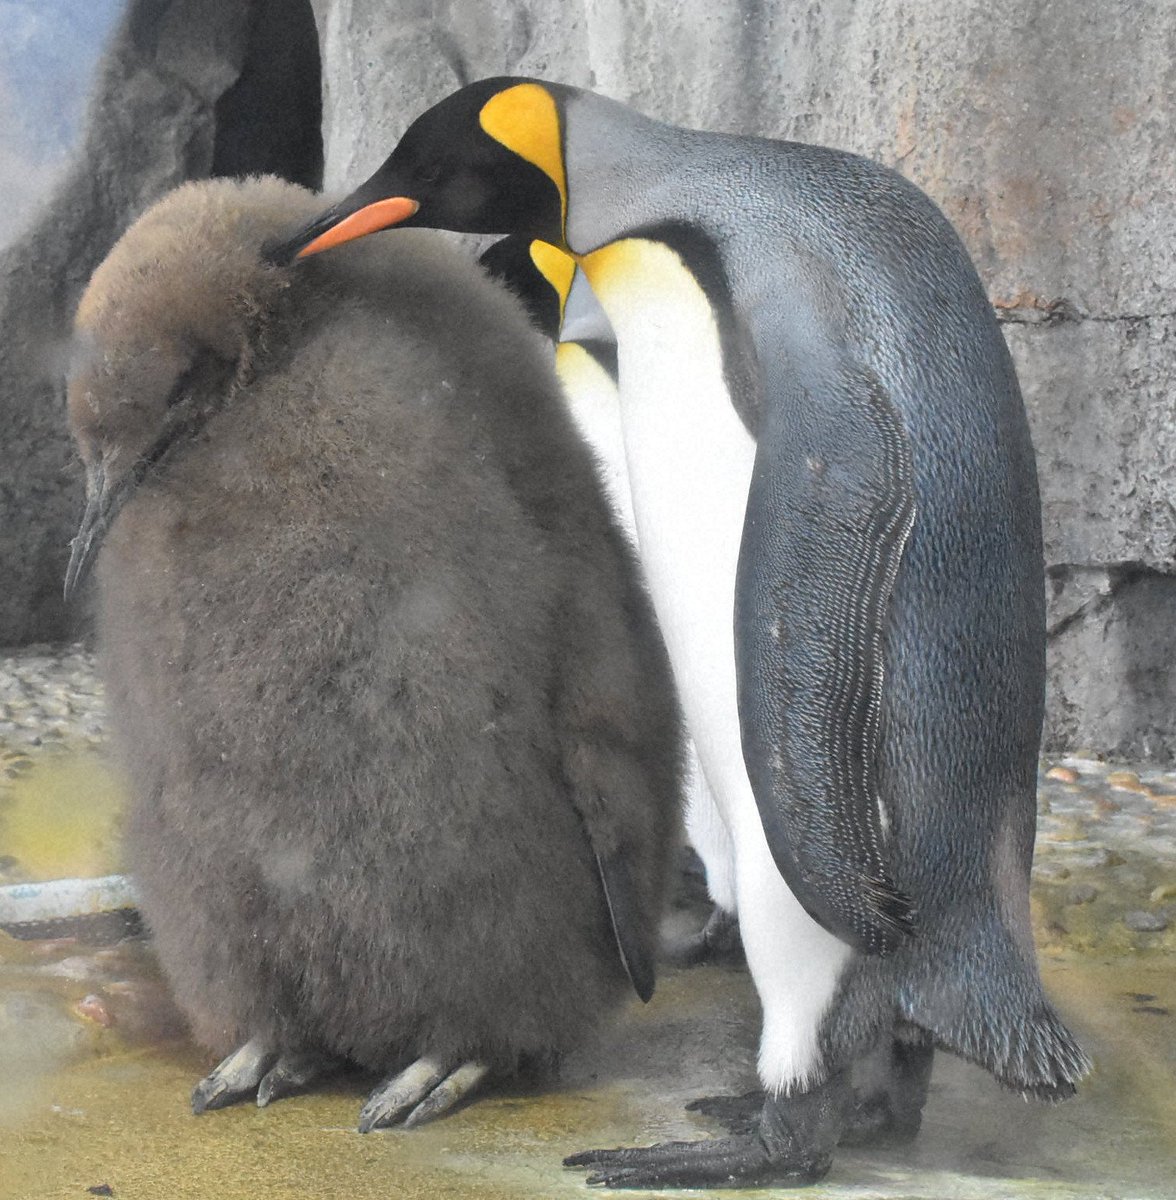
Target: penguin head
[167, 328]
[487, 159]
[539, 273]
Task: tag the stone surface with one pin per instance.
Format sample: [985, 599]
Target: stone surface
[1112, 646]
[182, 82]
[1145, 922]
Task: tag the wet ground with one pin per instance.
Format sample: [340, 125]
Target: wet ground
[95, 1071]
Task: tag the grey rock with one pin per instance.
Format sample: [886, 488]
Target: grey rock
[1145, 922]
[1081, 893]
[178, 82]
[1100, 406]
[1111, 681]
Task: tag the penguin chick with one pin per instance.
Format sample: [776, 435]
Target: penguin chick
[400, 731]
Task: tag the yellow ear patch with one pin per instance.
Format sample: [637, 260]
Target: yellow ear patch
[621, 261]
[556, 267]
[524, 119]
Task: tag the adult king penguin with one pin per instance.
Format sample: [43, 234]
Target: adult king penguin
[837, 506]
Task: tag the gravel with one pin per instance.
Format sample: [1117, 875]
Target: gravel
[1106, 838]
[1146, 922]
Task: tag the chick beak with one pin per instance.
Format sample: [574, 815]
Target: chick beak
[102, 506]
[342, 223]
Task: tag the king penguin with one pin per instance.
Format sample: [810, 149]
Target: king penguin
[560, 301]
[400, 729]
[837, 508]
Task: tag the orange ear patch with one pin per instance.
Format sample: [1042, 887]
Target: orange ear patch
[525, 120]
[556, 267]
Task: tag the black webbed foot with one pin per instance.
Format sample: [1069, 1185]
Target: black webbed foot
[737, 1114]
[717, 941]
[792, 1144]
[891, 1112]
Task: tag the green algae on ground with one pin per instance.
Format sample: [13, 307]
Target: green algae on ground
[62, 818]
[118, 1114]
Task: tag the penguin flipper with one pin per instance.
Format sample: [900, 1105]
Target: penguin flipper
[624, 911]
[829, 511]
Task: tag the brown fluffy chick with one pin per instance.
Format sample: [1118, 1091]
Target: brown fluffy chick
[399, 726]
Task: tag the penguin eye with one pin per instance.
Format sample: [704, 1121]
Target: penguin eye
[429, 173]
[181, 387]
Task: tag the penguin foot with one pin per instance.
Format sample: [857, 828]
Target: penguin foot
[292, 1073]
[235, 1078]
[257, 1070]
[892, 1113]
[419, 1093]
[792, 1144]
[737, 1114]
[717, 941]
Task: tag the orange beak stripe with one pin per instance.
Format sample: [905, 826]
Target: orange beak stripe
[370, 219]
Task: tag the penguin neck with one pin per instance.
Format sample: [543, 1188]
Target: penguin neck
[620, 168]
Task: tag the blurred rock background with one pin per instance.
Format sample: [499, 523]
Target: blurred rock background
[1044, 128]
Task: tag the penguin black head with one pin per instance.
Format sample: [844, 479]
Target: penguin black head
[487, 159]
[153, 351]
[538, 273]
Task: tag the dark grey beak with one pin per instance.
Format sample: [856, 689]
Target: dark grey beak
[102, 506]
[104, 501]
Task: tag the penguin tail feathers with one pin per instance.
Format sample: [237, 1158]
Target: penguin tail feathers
[1043, 1060]
[991, 1010]
[1038, 1056]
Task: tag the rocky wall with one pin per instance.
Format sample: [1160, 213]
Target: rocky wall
[1045, 131]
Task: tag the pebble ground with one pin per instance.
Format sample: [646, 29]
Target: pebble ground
[1105, 868]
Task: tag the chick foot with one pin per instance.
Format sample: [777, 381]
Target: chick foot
[419, 1093]
[258, 1070]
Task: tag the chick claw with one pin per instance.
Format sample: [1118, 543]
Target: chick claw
[419, 1093]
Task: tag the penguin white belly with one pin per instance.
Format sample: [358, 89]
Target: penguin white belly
[690, 462]
[593, 401]
[595, 404]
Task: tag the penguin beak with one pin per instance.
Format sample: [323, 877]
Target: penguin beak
[102, 507]
[344, 222]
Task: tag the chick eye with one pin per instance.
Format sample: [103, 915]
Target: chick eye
[181, 387]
